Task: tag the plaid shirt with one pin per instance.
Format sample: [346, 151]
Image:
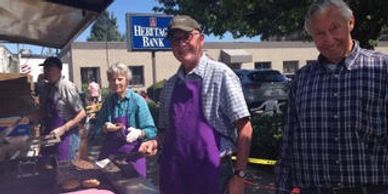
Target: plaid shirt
[222, 99]
[336, 131]
[65, 96]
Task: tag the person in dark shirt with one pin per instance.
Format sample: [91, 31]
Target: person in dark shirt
[335, 137]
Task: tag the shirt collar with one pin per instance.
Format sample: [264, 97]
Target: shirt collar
[56, 84]
[126, 97]
[347, 62]
[199, 70]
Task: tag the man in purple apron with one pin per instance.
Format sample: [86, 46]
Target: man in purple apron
[201, 107]
[62, 110]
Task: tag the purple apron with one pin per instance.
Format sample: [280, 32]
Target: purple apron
[115, 143]
[190, 160]
[66, 149]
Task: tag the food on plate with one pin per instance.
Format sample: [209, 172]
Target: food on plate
[70, 184]
[83, 164]
[48, 166]
[110, 127]
[89, 183]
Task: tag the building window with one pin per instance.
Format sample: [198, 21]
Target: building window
[235, 65]
[263, 65]
[308, 62]
[89, 74]
[290, 67]
[137, 75]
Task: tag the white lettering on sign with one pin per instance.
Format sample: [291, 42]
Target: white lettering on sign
[149, 31]
[152, 42]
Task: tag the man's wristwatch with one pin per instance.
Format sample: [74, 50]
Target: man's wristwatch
[240, 173]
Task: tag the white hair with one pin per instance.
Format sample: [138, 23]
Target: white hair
[322, 6]
[119, 69]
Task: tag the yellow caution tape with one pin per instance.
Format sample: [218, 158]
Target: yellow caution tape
[259, 161]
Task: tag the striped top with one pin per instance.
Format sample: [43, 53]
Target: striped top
[65, 96]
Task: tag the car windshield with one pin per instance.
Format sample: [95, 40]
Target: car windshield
[267, 76]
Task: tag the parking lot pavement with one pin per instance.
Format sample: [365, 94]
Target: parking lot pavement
[262, 180]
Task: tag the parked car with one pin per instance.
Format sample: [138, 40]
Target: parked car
[259, 85]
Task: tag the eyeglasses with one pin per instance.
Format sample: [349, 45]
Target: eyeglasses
[187, 36]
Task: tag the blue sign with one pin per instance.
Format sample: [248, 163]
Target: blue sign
[147, 32]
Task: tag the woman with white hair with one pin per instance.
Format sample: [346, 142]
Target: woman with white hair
[124, 119]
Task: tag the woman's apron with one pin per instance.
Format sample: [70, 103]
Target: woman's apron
[115, 143]
[190, 157]
[67, 148]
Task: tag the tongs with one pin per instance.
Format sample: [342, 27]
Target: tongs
[117, 158]
[46, 140]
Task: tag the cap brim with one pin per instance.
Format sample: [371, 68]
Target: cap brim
[184, 28]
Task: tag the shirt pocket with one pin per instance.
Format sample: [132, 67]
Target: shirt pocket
[371, 123]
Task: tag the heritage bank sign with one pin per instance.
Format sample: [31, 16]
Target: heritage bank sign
[147, 32]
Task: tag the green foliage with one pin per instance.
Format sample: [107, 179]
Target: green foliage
[154, 109]
[84, 87]
[154, 90]
[266, 136]
[266, 133]
[269, 18]
[104, 93]
[105, 29]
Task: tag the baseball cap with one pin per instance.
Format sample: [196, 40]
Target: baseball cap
[184, 22]
[52, 62]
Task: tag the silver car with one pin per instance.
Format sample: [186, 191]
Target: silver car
[260, 85]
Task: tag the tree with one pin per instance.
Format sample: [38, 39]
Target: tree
[105, 29]
[269, 18]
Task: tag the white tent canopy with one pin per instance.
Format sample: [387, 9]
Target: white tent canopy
[50, 23]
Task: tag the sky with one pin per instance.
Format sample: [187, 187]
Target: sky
[119, 9]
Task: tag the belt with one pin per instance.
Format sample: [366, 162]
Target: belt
[371, 189]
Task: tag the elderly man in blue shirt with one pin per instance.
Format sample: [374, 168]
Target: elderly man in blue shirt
[335, 138]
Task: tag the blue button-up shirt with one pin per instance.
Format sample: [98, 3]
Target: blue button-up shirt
[223, 102]
[132, 106]
[336, 131]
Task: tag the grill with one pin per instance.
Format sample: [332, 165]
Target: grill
[67, 171]
[45, 175]
[28, 172]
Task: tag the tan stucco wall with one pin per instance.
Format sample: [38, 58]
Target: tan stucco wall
[167, 65]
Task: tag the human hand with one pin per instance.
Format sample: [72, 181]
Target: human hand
[149, 148]
[110, 127]
[133, 134]
[58, 132]
[236, 185]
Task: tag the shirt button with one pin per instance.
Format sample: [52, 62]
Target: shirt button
[336, 139]
[336, 116]
[335, 94]
[336, 76]
[337, 161]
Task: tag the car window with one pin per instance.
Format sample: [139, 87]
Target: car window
[267, 76]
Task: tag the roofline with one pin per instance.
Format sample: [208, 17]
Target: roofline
[213, 45]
